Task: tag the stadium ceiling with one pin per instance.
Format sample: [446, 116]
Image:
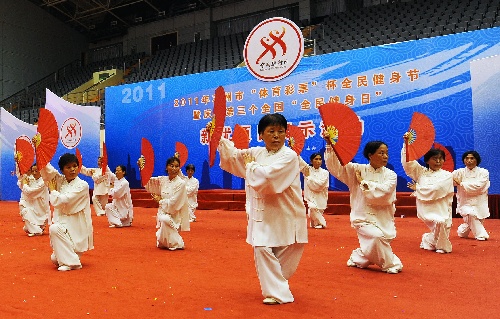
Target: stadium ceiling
[106, 19]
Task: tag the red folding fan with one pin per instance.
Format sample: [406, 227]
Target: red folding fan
[449, 163]
[79, 157]
[24, 155]
[344, 128]
[240, 137]
[147, 166]
[182, 150]
[296, 138]
[217, 124]
[46, 138]
[104, 159]
[421, 137]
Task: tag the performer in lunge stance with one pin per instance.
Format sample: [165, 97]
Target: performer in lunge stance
[100, 193]
[433, 188]
[34, 203]
[173, 213]
[277, 222]
[120, 211]
[316, 181]
[472, 184]
[71, 233]
[372, 190]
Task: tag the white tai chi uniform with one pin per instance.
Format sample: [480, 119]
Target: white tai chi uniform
[173, 212]
[100, 194]
[434, 195]
[120, 211]
[34, 205]
[71, 233]
[472, 201]
[277, 221]
[315, 193]
[372, 211]
[192, 185]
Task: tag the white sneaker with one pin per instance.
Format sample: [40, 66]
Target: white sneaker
[440, 251]
[68, 268]
[393, 270]
[478, 238]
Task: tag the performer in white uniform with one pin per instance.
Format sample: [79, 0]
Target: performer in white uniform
[100, 194]
[173, 213]
[71, 233]
[35, 208]
[434, 191]
[277, 222]
[372, 197]
[192, 185]
[316, 182]
[472, 184]
[120, 211]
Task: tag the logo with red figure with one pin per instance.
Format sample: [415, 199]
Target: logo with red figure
[71, 132]
[273, 49]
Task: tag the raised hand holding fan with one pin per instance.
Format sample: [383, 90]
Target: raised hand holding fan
[216, 125]
[344, 129]
[46, 138]
[421, 136]
[24, 155]
[147, 161]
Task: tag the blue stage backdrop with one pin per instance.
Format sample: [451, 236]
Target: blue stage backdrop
[383, 84]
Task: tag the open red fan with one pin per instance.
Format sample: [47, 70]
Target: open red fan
[449, 163]
[422, 136]
[296, 138]
[24, 155]
[148, 165]
[182, 150]
[46, 138]
[104, 159]
[344, 128]
[240, 137]
[79, 157]
[217, 124]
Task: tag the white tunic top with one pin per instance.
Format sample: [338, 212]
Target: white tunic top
[101, 182]
[192, 185]
[122, 200]
[434, 191]
[276, 211]
[173, 199]
[472, 193]
[71, 208]
[36, 197]
[315, 185]
[374, 204]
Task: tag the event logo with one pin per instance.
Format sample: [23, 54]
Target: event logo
[71, 132]
[273, 49]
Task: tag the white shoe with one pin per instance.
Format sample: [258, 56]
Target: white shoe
[68, 268]
[393, 270]
[478, 238]
[351, 263]
[440, 251]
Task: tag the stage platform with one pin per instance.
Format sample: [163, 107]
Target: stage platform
[338, 202]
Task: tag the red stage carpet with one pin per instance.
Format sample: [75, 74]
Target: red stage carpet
[126, 276]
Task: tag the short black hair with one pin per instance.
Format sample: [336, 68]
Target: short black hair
[66, 159]
[190, 166]
[371, 147]
[271, 119]
[124, 169]
[473, 153]
[313, 155]
[433, 152]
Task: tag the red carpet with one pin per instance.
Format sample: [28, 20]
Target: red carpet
[126, 276]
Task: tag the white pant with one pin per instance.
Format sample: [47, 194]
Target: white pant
[64, 248]
[374, 249]
[317, 218]
[99, 202]
[275, 265]
[167, 236]
[114, 217]
[439, 237]
[474, 225]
